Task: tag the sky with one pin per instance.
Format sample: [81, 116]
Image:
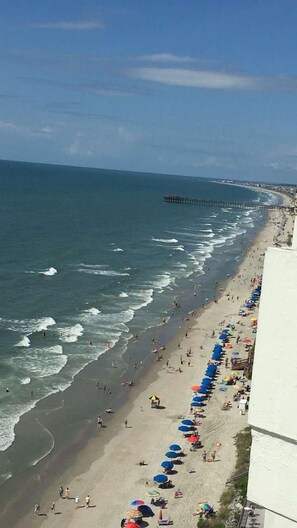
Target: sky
[195, 87]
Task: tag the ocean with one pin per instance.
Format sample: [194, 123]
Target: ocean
[90, 259]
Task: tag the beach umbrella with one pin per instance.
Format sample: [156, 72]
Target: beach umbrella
[153, 493]
[175, 447]
[246, 340]
[222, 336]
[216, 356]
[184, 428]
[185, 422]
[131, 524]
[167, 465]
[154, 397]
[137, 502]
[195, 388]
[204, 506]
[134, 514]
[196, 404]
[160, 479]
[171, 454]
[192, 439]
[146, 511]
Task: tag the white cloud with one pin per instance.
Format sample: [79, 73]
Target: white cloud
[47, 130]
[196, 78]
[166, 57]
[214, 80]
[9, 126]
[70, 26]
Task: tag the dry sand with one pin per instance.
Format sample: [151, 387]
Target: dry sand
[113, 477]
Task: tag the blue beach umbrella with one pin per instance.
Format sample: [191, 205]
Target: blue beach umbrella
[222, 336]
[160, 479]
[175, 447]
[216, 356]
[184, 428]
[187, 422]
[199, 398]
[167, 465]
[171, 454]
[196, 404]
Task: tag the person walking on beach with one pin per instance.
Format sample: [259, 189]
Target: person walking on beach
[61, 491]
[126, 422]
[67, 491]
[204, 456]
[99, 421]
[87, 501]
[36, 509]
[213, 456]
[53, 507]
[76, 501]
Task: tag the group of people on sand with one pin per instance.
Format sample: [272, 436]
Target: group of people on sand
[63, 494]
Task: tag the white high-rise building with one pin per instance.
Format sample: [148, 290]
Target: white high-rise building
[273, 406]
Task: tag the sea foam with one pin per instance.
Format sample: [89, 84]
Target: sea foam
[25, 342]
[49, 272]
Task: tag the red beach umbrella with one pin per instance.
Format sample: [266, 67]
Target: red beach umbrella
[131, 524]
[193, 439]
[246, 340]
[195, 388]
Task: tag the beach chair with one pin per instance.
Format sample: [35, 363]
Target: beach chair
[165, 522]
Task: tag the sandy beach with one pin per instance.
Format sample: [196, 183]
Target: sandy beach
[107, 468]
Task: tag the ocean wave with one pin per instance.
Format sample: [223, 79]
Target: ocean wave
[107, 273]
[179, 248]
[25, 342]
[123, 294]
[27, 326]
[92, 266]
[25, 381]
[49, 272]
[144, 297]
[117, 318]
[92, 311]
[42, 362]
[71, 334]
[9, 418]
[165, 240]
[117, 250]
[162, 281]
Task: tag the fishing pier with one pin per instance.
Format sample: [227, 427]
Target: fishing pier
[184, 200]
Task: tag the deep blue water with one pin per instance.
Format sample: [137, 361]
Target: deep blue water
[94, 256]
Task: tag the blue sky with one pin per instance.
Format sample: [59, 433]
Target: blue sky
[193, 87]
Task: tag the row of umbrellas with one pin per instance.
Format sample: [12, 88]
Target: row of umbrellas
[174, 452]
[187, 425]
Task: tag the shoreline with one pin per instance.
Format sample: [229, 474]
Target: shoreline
[85, 460]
